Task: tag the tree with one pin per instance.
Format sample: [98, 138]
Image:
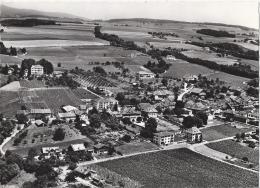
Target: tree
[243, 136]
[7, 172]
[150, 128]
[245, 159]
[126, 121]
[238, 136]
[203, 116]
[47, 66]
[59, 134]
[32, 153]
[190, 121]
[21, 118]
[126, 138]
[59, 65]
[165, 82]
[95, 121]
[100, 70]
[13, 51]
[13, 158]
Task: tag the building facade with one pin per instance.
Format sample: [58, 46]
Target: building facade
[163, 138]
[37, 70]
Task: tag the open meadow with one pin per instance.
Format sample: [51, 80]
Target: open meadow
[237, 150]
[180, 68]
[180, 168]
[223, 131]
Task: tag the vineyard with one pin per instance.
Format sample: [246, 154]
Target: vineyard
[31, 84]
[93, 80]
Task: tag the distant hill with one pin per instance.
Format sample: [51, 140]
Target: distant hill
[10, 12]
[175, 21]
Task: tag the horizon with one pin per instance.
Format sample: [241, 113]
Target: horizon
[244, 13]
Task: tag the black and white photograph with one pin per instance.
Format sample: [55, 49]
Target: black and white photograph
[129, 93]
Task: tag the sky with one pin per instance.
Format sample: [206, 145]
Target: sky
[237, 12]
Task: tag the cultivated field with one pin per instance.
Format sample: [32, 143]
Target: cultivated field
[9, 60]
[237, 150]
[163, 45]
[223, 131]
[180, 168]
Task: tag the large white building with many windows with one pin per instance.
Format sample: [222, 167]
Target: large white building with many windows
[37, 70]
[163, 138]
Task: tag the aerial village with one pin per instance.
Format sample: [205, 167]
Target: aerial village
[109, 123]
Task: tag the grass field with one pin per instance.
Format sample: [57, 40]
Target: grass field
[180, 168]
[180, 68]
[55, 98]
[136, 147]
[9, 103]
[228, 78]
[222, 131]
[31, 83]
[237, 150]
[9, 60]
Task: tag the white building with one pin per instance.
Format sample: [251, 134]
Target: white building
[37, 70]
[106, 103]
[145, 75]
[170, 57]
[163, 138]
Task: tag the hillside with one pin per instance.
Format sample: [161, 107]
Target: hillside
[10, 12]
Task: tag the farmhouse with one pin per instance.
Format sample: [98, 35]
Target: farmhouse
[161, 94]
[196, 91]
[163, 138]
[105, 103]
[194, 135]
[149, 109]
[37, 70]
[100, 149]
[145, 75]
[77, 147]
[67, 116]
[35, 113]
[131, 113]
[69, 108]
[189, 77]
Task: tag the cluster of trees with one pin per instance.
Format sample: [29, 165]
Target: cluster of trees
[253, 82]
[163, 34]
[6, 128]
[59, 134]
[20, 137]
[215, 33]
[100, 71]
[124, 101]
[26, 22]
[27, 64]
[150, 128]
[10, 51]
[63, 80]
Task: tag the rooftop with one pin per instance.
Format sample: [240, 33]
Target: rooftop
[193, 130]
[160, 134]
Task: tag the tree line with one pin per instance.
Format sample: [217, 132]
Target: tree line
[215, 33]
[26, 22]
